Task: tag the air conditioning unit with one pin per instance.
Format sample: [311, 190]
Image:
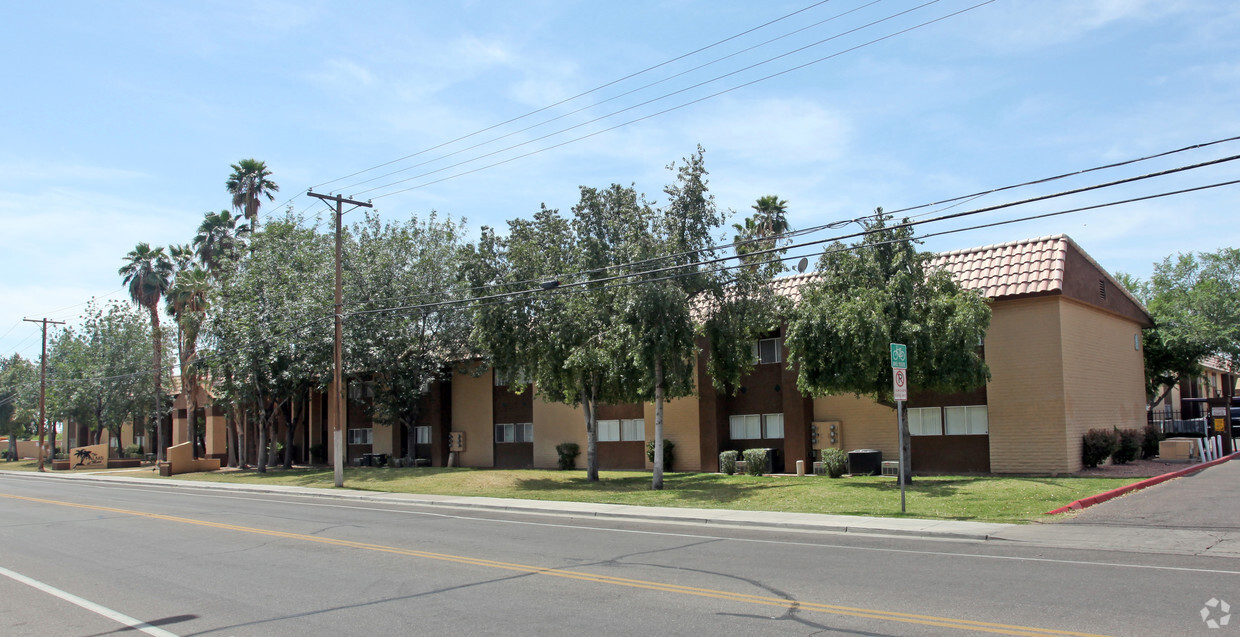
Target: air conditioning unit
[891, 468]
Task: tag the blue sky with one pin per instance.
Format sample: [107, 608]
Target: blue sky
[121, 119]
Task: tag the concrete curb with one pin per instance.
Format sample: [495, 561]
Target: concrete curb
[1136, 486]
[855, 525]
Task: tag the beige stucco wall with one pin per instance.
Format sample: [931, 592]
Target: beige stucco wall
[864, 424]
[680, 425]
[472, 413]
[1104, 377]
[555, 423]
[1025, 394]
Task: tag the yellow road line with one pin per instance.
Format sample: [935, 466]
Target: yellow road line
[866, 613]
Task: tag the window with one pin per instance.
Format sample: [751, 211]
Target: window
[361, 436]
[628, 429]
[514, 432]
[756, 427]
[925, 421]
[633, 429]
[505, 379]
[745, 427]
[772, 425]
[970, 419]
[422, 435]
[608, 430]
[766, 351]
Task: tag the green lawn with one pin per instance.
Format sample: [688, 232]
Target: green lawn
[984, 499]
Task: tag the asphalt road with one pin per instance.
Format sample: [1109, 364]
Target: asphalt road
[190, 561]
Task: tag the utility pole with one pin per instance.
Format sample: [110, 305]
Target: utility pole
[43, 384]
[338, 409]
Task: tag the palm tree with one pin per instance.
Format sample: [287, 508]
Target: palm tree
[763, 230]
[186, 302]
[219, 240]
[248, 184]
[148, 272]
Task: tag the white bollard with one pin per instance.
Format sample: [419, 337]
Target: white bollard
[801, 468]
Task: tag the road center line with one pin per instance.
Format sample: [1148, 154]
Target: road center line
[113, 615]
[381, 507]
[864, 613]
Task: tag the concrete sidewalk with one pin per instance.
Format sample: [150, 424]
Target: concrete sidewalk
[946, 529]
[1112, 537]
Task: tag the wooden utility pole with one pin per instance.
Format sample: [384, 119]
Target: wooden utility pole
[43, 384]
[338, 408]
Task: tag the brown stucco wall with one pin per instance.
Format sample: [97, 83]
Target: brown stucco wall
[864, 424]
[680, 425]
[1026, 389]
[471, 413]
[555, 423]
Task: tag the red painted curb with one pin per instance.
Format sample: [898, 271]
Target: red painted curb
[1148, 482]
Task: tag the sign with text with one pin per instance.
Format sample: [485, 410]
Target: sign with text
[899, 384]
[899, 356]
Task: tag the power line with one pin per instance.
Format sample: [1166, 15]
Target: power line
[579, 95]
[638, 89]
[674, 108]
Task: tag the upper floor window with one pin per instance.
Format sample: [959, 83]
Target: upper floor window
[766, 351]
[509, 379]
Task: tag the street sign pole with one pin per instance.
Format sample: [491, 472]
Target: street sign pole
[899, 390]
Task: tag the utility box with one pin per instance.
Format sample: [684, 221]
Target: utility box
[1176, 449]
[865, 462]
[891, 468]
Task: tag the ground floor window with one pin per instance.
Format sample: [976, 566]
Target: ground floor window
[627, 429]
[422, 435]
[756, 426]
[925, 421]
[361, 436]
[514, 432]
[957, 420]
[967, 419]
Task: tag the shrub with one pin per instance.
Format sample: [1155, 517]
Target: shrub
[1149, 443]
[755, 461]
[133, 451]
[318, 452]
[1098, 445]
[834, 462]
[1129, 446]
[669, 456]
[567, 452]
[727, 462]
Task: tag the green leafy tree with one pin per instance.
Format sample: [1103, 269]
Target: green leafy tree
[274, 312]
[878, 292]
[249, 184]
[403, 352]
[19, 387]
[1195, 302]
[148, 273]
[686, 298]
[565, 341]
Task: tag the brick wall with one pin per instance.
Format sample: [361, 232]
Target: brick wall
[1026, 390]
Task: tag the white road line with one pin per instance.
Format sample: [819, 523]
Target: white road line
[88, 605]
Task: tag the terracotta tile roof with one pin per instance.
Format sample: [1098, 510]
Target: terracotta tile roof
[1004, 270]
[1030, 266]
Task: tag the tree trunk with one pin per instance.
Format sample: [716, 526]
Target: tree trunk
[657, 482]
[191, 411]
[262, 441]
[589, 407]
[159, 351]
[230, 428]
